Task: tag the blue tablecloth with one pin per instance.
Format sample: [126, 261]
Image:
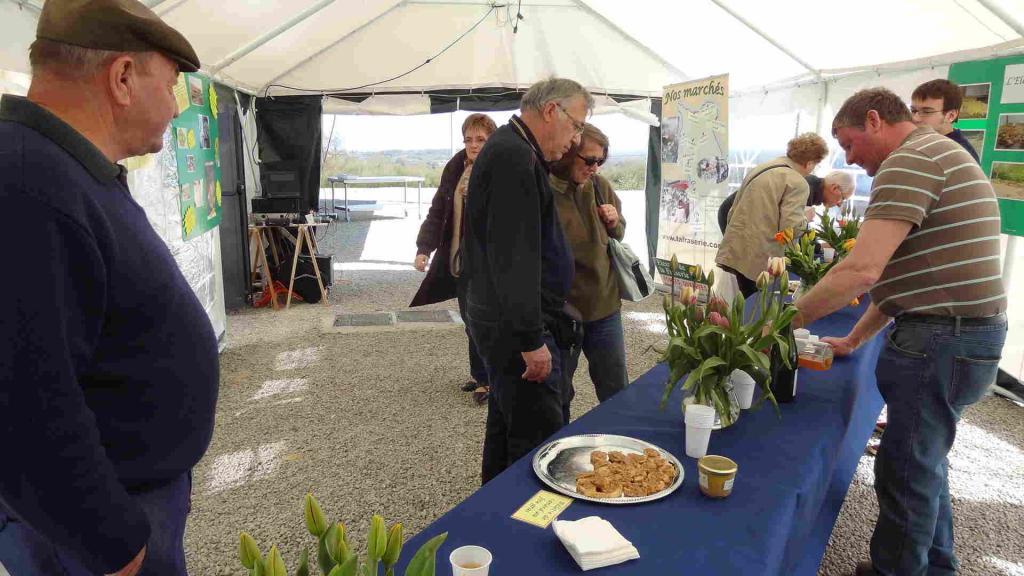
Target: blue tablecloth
[793, 476]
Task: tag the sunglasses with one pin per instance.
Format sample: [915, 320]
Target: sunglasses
[590, 162]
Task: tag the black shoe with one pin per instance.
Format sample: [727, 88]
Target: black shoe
[469, 386]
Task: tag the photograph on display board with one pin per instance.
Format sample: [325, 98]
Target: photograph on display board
[1010, 134]
[204, 132]
[677, 203]
[670, 140]
[186, 193]
[1008, 180]
[211, 189]
[182, 137]
[190, 161]
[199, 193]
[195, 90]
[975, 103]
[977, 140]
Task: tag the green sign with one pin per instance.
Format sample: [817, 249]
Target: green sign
[197, 151]
[992, 118]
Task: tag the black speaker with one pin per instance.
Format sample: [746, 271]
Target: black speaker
[281, 183]
[291, 205]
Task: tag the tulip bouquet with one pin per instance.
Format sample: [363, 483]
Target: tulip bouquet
[706, 344]
[334, 554]
[842, 239]
[800, 257]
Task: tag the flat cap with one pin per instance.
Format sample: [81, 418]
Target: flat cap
[115, 25]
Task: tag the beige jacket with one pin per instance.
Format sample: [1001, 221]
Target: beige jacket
[765, 204]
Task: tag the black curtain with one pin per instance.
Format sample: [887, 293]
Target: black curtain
[234, 240]
[653, 187]
[290, 145]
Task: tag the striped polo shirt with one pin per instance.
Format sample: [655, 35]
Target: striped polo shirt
[949, 264]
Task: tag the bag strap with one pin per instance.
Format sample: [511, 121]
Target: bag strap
[593, 180]
[743, 186]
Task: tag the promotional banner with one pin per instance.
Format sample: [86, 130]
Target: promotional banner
[694, 176]
[197, 152]
[992, 119]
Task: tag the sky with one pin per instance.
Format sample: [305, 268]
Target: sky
[433, 131]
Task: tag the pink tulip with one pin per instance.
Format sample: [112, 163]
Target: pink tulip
[718, 320]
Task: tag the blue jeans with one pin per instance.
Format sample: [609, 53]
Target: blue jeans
[605, 349]
[928, 371]
[25, 553]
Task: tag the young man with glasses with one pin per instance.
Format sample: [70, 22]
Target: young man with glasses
[936, 104]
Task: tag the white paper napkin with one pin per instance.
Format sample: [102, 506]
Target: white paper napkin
[593, 542]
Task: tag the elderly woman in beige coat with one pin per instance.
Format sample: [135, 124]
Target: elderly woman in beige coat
[772, 198]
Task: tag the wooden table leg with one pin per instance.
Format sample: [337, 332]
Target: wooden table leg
[272, 240]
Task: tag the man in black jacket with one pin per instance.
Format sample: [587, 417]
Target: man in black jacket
[518, 269]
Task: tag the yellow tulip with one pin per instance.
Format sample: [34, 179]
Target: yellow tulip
[849, 244]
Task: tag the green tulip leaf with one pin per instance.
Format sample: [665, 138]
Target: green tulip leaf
[422, 563]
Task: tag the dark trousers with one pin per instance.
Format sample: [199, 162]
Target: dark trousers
[747, 286]
[477, 370]
[23, 552]
[520, 414]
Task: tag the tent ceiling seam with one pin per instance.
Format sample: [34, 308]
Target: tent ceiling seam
[767, 38]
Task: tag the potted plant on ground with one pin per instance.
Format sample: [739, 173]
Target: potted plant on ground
[706, 344]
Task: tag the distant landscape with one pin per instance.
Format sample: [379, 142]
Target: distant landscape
[626, 171]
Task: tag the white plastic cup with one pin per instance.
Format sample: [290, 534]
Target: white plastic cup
[829, 253]
[699, 421]
[743, 387]
[470, 561]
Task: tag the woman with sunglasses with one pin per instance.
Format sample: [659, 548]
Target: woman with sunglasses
[442, 231]
[589, 212]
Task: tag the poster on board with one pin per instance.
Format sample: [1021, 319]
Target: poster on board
[694, 175]
[992, 118]
[197, 151]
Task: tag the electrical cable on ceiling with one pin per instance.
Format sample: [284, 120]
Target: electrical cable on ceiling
[493, 7]
[519, 16]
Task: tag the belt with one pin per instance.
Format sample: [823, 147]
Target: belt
[962, 321]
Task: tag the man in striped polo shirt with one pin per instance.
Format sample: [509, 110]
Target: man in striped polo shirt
[928, 251]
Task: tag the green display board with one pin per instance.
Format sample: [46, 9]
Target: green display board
[992, 118]
[197, 151]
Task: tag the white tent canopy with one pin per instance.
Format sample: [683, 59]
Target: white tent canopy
[611, 46]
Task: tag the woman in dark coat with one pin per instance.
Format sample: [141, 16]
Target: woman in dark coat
[440, 233]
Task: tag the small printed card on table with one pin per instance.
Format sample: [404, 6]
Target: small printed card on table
[542, 508]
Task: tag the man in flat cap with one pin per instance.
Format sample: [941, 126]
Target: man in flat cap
[108, 363]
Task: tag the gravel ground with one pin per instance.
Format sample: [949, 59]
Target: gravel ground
[348, 417]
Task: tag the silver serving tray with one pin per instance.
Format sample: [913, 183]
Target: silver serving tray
[558, 462]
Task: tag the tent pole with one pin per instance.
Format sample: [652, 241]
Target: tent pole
[251, 46]
[167, 6]
[821, 107]
[767, 38]
[30, 4]
[1003, 15]
[361, 27]
[583, 6]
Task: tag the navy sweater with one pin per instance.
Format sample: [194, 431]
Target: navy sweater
[108, 367]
